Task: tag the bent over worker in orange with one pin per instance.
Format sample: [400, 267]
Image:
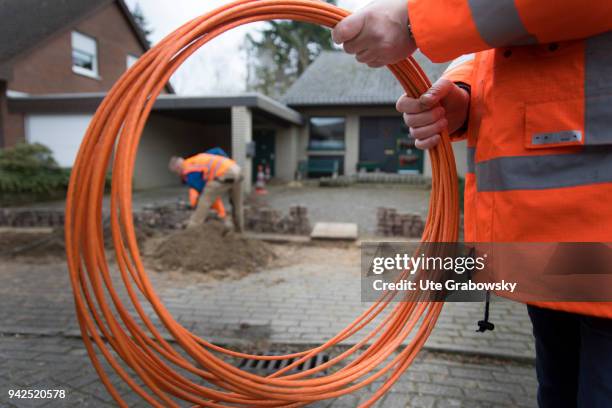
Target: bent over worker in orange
[209, 176]
[531, 91]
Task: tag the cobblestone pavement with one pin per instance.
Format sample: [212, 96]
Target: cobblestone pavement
[303, 299]
[433, 380]
[357, 203]
[298, 302]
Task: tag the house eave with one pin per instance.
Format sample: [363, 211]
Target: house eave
[89, 102]
[344, 105]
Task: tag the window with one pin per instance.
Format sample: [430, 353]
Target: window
[326, 133]
[84, 55]
[130, 60]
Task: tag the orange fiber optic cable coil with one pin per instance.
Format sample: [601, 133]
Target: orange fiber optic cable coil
[123, 338]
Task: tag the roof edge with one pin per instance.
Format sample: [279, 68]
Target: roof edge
[89, 102]
[140, 35]
[142, 38]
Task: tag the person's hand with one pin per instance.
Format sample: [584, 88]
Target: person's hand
[377, 34]
[443, 106]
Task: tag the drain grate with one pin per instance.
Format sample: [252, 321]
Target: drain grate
[267, 367]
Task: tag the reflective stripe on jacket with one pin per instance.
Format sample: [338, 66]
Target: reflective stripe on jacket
[210, 165]
[446, 29]
[540, 125]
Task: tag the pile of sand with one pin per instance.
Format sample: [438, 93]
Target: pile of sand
[211, 247]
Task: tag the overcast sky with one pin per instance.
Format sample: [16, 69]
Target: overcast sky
[220, 66]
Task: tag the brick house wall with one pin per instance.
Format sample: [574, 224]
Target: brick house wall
[3, 108]
[14, 129]
[48, 67]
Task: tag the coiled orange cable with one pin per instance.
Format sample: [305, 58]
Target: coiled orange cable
[193, 369]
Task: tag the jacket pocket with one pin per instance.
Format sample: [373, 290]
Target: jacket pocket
[554, 124]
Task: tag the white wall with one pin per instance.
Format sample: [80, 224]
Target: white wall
[162, 138]
[460, 152]
[62, 133]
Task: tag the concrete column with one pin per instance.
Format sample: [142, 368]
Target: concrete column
[351, 141]
[287, 153]
[303, 138]
[242, 134]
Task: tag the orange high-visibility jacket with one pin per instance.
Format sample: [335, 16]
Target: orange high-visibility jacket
[540, 124]
[211, 166]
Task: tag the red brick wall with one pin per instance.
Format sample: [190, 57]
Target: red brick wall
[3, 113]
[48, 68]
[14, 129]
[11, 124]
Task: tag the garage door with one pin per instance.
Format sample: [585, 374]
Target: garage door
[61, 133]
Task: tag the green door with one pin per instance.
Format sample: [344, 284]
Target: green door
[385, 144]
[378, 143]
[264, 150]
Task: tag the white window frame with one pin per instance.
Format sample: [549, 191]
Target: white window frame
[87, 45]
[130, 60]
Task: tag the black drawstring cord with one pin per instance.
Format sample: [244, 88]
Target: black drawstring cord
[484, 325]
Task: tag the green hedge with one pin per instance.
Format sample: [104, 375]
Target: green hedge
[28, 172]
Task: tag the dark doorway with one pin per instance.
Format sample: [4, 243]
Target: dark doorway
[265, 150]
[384, 145]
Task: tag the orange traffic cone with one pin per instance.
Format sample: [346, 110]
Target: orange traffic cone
[260, 184]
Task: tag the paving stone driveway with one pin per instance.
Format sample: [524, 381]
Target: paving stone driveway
[297, 303]
[356, 204]
[434, 379]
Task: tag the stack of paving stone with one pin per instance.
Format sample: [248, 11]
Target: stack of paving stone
[297, 221]
[267, 220]
[390, 223]
[171, 216]
[17, 217]
[261, 219]
[416, 180]
[380, 177]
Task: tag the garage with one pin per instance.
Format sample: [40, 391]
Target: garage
[177, 126]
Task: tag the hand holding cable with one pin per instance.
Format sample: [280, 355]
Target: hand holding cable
[443, 107]
[378, 35]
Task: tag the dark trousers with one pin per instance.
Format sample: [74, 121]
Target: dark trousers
[573, 359]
